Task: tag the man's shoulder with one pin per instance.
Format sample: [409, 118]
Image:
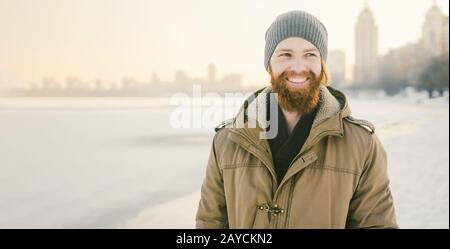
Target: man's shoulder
[228, 123]
[360, 132]
[360, 124]
[221, 132]
[359, 135]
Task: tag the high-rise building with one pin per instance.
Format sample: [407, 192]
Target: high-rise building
[435, 39]
[406, 63]
[366, 48]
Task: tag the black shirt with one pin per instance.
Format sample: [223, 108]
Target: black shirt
[285, 147]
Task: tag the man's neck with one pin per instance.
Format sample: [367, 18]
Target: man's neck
[291, 119]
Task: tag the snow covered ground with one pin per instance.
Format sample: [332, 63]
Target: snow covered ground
[72, 163]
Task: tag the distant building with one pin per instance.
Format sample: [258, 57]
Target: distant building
[400, 66]
[336, 67]
[49, 84]
[366, 48]
[212, 73]
[130, 86]
[435, 39]
[129, 82]
[99, 85]
[181, 78]
[231, 82]
[181, 83]
[405, 64]
[155, 78]
[74, 84]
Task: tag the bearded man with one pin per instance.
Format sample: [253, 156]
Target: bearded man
[318, 167]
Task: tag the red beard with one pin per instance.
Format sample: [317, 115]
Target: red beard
[296, 100]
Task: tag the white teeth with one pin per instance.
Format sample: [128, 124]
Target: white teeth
[297, 80]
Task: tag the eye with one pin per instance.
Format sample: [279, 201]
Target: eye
[284, 55]
[311, 55]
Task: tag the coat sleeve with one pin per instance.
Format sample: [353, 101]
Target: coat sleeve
[212, 211]
[372, 204]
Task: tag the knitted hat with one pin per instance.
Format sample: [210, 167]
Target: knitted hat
[296, 23]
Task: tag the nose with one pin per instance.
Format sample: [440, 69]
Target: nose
[297, 66]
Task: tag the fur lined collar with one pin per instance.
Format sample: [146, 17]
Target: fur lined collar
[253, 114]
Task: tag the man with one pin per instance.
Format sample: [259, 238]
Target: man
[323, 169]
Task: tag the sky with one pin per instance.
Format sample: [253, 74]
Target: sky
[112, 39]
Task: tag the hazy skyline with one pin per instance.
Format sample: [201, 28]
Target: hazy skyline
[111, 39]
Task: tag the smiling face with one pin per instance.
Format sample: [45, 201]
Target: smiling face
[295, 70]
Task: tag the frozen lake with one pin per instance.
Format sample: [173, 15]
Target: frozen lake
[73, 163]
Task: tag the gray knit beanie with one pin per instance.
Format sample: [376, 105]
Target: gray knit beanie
[296, 23]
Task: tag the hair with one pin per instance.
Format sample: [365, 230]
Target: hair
[324, 77]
